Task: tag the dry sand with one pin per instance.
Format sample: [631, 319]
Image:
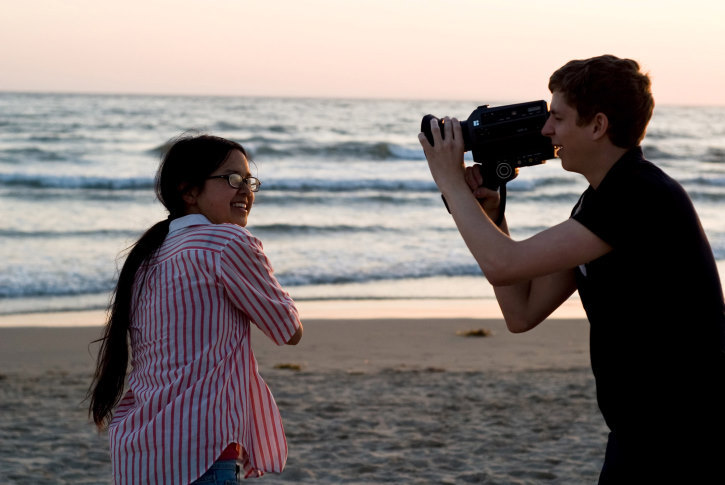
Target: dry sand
[374, 400]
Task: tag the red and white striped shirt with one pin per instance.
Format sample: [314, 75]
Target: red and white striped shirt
[194, 387]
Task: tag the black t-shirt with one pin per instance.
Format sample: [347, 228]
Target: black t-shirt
[655, 305]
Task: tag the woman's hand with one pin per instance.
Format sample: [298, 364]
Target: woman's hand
[445, 156]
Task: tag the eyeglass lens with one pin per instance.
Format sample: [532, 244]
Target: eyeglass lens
[236, 181]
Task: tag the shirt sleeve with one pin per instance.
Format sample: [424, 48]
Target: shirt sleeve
[249, 281]
[634, 208]
[599, 215]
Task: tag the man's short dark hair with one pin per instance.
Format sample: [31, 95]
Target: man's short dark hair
[609, 85]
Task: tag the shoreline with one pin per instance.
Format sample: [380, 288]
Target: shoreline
[359, 335]
[321, 310]
[343, 345]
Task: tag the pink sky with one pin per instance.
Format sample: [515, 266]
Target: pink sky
[476, 50]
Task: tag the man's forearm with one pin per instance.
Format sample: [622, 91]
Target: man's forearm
[490, 245]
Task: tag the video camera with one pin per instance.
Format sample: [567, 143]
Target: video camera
[503, 139]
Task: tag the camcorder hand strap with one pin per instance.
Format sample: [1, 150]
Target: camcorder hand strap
[501, 205]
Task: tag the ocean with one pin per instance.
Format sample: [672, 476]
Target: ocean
[347, 210]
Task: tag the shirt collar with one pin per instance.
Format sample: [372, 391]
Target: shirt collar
[188, 221]
[633, 155]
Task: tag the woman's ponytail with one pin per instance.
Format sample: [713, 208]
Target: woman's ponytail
[110, 376]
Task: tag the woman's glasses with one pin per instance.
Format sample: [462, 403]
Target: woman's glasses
[235, 181]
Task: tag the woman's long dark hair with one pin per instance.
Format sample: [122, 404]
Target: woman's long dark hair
[185, 165]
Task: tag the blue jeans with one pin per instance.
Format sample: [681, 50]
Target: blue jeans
[222, 472]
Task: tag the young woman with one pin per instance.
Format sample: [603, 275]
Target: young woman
[195, 407]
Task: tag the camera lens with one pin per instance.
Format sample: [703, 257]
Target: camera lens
[425, 128]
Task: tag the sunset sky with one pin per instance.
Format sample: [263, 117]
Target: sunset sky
[457, 49]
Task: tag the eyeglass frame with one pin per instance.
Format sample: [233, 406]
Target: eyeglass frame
[244, 181]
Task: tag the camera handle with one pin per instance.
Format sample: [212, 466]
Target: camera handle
[495, 178]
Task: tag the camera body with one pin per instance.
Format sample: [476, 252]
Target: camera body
[503, 138]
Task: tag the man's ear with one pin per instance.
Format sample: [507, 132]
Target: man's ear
[599, 126]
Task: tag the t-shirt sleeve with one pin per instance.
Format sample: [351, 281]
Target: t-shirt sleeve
[249, 280]
[635, 209]
[596, 213]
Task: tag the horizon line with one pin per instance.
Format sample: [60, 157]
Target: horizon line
[498, 101]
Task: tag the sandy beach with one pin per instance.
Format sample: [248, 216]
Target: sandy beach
[375, 393]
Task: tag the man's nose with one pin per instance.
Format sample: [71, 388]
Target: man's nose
[546, 129]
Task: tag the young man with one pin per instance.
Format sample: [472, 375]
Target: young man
[636, 252]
